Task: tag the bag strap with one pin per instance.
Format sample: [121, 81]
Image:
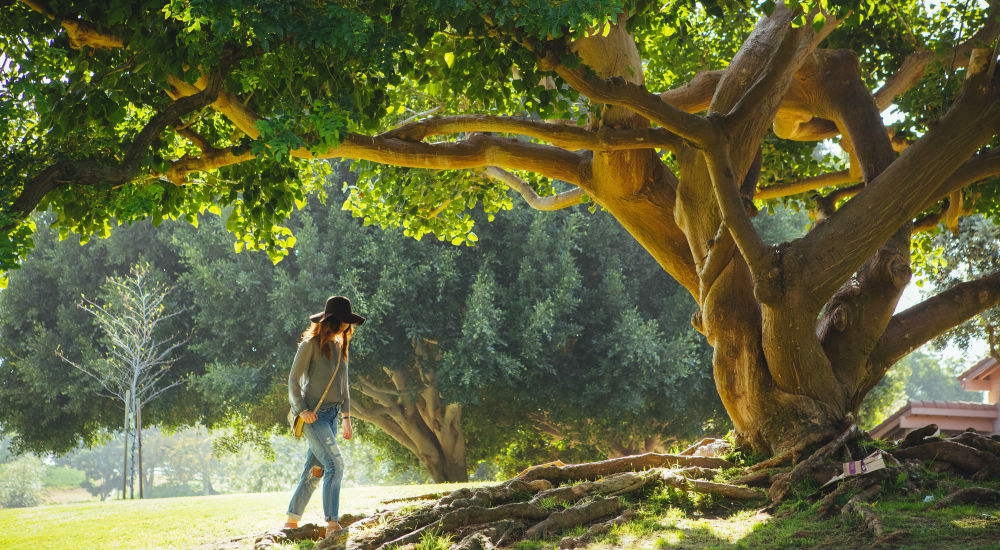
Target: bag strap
[328, 384]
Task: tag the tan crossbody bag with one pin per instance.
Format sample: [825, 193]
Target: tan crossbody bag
[298, 423]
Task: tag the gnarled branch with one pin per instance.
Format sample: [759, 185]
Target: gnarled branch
[911, 328]
[976, 169]
[81, 33]
[554, 202]
[734, 215]
[696, 95]
[915, 64]
[477, 151]
[617, 91]
[859, 228]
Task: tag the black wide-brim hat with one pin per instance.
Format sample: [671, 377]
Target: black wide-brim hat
[338, 308]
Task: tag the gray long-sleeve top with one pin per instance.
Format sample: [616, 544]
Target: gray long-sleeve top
[311, 372]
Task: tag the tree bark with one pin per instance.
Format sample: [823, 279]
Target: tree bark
[413, 413]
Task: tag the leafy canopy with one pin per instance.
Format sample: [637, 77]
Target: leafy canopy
[313, 72]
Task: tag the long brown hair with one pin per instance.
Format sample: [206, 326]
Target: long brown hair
[325, 332]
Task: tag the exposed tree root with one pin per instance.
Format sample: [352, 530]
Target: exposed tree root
[569, 543]
[978, 495]
[760, 478]
[859, 505]
[790, 455]
[858, 485]
[475, 541]
[577, 472]
[309, 531]
[783, 482]
[546, 500]
[969, 460]
[428, 496]
[710, 487]
[581, 514]
[918, 436]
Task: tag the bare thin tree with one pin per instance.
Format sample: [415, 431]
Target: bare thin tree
[137, 360]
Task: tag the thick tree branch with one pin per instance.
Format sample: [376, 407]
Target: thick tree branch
[81, 33]
[734, 214]
[618, 91]
[882, 208]
[194, 137]
[560, 135]
[554, 202]
[806, 125]
[477, 151]
[857, 315]
[385, 397]
[808, 184]
[696, 95]
[976, 169]
[210, 159]
[930, 221]
[843, 96]
[774, 77]
[92, 172]
[385, 422]
[827, 204]
[915, 326]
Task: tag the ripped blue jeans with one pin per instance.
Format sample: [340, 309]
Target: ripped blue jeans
[323, 452]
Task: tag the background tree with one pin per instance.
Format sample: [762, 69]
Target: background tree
[109, 103]
[920, 376]
[21, 482]
[38, 313]
[102, 465]
[450, 330]
[236, 362]
[137, 360]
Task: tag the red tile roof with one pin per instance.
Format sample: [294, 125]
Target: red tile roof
[951, 408]
[980, 370]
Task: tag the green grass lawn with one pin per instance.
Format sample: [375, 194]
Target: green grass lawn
[182, 523]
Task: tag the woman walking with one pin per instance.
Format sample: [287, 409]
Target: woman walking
[320, 367]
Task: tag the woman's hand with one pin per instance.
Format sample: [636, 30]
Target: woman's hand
[348, 431]
[308, 416]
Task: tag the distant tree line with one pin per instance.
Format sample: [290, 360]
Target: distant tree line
[554, 335]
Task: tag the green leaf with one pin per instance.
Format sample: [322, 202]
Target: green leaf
[818, 22]
[449, 59]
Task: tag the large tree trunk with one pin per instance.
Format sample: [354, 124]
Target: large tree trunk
[412, 412]
[677, 218]
[801, 331]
